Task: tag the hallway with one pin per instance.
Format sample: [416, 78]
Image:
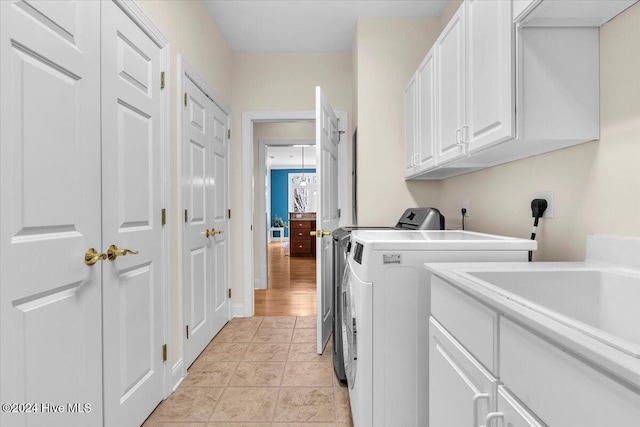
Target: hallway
[292, 285]
[261, 370]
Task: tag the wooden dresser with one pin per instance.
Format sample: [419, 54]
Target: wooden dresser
[300, 241]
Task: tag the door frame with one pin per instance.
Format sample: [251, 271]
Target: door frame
[247, 308]
[186, 70]
[261, 281]
[137, 16]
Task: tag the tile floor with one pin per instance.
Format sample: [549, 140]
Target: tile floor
[259, 371]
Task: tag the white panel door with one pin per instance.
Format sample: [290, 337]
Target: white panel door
[218, 189]
[197, 242]
[50, 300]
[327, 219]
[490, 114]
[131, 192]
[450, 111]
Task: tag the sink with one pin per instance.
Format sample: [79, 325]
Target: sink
[602, 303]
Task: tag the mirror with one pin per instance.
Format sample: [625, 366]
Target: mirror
[302, 198]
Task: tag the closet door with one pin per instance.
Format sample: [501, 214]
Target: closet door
[131, 193]
[50, 300]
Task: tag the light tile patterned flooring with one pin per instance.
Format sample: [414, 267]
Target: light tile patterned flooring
[259, 371]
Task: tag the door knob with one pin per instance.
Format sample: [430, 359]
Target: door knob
[320, 233]
[207, 233]
[214, 231]
[91, 256]
[114, 252]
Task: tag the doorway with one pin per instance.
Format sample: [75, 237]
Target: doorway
[251, 182]
[285, 267]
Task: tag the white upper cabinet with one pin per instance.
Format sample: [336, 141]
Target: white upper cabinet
[490, 72]
[506, 91]
[450, 89]
[410, 92]
[426, 117]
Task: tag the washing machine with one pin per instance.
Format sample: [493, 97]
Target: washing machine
[386, 306]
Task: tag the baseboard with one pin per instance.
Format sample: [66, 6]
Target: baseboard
[176, 375]
[237, 310]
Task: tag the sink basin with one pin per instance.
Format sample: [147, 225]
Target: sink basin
[604, 304]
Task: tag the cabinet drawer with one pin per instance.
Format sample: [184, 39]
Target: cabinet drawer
[300, 225]
[512, 412]
[300, 234]
[560, 389]
[298, 246]
[472, 323]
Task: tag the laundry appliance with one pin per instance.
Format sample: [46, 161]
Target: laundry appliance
[386, 304]
[411, 219]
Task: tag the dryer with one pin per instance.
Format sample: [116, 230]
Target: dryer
[386, 307]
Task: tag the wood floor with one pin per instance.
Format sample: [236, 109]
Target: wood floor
[292, 285]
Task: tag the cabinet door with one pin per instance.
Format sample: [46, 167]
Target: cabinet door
[511, 413]
[490, 73]
[410, 110]
[450, 110]
[426, 102]
[461, 391]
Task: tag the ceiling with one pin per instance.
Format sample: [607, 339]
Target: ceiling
[291, 157]
[305, 25]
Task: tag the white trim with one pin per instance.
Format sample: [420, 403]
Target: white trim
[238, 310]
[186, 70]
[133, 11]
[344, 169]
[176, 375]
[248, 119]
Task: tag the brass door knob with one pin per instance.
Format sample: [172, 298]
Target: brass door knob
[320, 233]
[214, 231]
[114, 252]
[207, 233]
[91, 256]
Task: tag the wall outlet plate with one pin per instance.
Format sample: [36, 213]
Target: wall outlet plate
[548, 196]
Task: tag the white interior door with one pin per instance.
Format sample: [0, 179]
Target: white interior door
[327, 219]
[131, 192]
[206, 200]
[50, 300]
[219, 203]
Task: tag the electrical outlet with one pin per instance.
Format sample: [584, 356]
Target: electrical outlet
[548, 196]
[465, 205]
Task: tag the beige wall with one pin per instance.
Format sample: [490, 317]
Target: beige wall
[596, 185]
[388, 53]
[193, 34]
[277, 82]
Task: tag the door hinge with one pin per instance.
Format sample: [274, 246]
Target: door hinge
[187, 331]
[228, 133]
[185, 99]
[339, 212]
[229, 213]
[229, 293]
[162, 80]
[164, 216]
[186, 215]
[164, 353]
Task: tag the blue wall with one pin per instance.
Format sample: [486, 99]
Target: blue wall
[279, 193]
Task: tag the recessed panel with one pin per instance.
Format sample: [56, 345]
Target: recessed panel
[220, 271]
[133, 173]
[326, 184]
[136, 328]
[198, 288]
[45, 110]
[133, 65]
[58, 17]
[333, 173]
[220, 172]
[197, 159]
[218, 130]
[52, 336]
[197, 115]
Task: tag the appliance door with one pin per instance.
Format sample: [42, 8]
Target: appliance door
[349, 328]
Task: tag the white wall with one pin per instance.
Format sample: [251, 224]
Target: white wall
[277, 82]
[388, 53]
[192, 33]
[596, 185]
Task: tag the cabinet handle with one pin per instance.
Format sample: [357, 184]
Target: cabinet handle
[475, 406]
[417, 159]
[492, 415]
[458, 136]
[465, 134]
